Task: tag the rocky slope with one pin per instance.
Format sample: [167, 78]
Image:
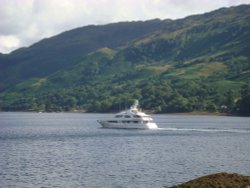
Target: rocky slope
[219, 180]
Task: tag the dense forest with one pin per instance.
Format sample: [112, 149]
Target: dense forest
[158, 98]
[200, 63]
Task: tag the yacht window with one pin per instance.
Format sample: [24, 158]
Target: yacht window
[127, 116]
[137, 116]
[136, 121]
[118, 116]
[125, 121]
[112, 121]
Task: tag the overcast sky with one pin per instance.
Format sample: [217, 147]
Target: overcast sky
[24, 22]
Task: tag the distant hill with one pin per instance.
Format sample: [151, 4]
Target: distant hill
[199, 63]
[64, 50]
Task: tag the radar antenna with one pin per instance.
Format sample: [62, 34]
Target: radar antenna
[136, 104]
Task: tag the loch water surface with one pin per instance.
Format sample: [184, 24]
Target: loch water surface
[72, 150]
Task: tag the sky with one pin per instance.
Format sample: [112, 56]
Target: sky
[24, 22]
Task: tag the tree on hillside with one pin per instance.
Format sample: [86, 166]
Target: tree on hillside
[243, 104]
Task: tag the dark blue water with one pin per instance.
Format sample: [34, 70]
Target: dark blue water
[71, 150]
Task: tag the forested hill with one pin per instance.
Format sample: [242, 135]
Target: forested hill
[199, 63]
[62, 51]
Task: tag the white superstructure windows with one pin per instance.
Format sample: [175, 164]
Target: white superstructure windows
[118, 116]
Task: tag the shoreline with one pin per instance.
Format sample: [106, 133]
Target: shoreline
[203, 113]
[196, 113]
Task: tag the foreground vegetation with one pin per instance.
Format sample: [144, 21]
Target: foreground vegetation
[219, 180]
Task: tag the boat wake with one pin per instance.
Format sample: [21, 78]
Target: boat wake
[212, 130]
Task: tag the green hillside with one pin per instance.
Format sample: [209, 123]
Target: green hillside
[199, 63]
[67, 49]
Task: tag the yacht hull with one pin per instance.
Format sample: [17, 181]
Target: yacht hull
[106, 124]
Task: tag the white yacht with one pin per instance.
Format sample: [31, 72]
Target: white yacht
[132, 118]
